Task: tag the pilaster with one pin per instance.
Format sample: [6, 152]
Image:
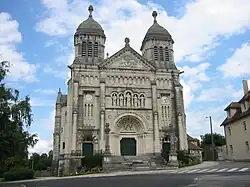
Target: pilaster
[102, 112]
[157, 148]
[75, 115]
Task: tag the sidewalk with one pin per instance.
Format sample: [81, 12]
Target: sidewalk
[120, 173]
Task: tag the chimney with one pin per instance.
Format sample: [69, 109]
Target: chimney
[245, 86]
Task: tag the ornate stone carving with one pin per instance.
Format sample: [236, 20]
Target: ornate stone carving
[128, 99]
[129, 123]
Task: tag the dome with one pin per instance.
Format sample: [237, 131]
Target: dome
[90, 26]
[157, 32]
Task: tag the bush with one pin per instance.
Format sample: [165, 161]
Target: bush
[94, 161]
[18, 174]
[183, 157]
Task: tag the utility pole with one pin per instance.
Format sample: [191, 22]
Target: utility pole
[212, 137]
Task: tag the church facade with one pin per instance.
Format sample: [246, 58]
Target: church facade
[128, 104]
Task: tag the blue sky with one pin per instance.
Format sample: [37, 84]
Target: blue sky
[211, 45]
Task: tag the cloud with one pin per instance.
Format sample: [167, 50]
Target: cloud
[238, 64]
[198, 124]
[193, 42]
[42, 146]
[9, 37]
[37, 102]
[45, 91]
[218, 94]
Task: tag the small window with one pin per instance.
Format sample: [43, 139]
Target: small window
[244, 125]
[84, 47]
[155, 52]
[229, 131]
[166, 54]
[247, 146]
[90, 51]
[161, 54]
[96, 49]
[231, 149]
[63, 145]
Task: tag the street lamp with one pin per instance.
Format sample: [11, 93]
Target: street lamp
[212, 137]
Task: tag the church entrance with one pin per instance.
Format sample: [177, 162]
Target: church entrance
[87, 149]
[128, 146]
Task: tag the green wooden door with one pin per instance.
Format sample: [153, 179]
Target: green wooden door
[165, 150]
[87, 149]
[128, 146]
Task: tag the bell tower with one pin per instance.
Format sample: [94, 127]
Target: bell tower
[89, 41]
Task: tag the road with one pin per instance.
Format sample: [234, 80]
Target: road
[159, 180]
[187, 179]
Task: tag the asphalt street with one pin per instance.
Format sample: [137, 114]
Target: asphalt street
[159, 180]
[188, 179]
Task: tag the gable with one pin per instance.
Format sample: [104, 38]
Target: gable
[127, 58]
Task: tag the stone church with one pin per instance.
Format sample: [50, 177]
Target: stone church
[127, 104]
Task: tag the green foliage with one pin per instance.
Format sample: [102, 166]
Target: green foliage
[219, 140]
[183, 157]
[15, 119]
[19, 174]
[40, 162]
[91, 162]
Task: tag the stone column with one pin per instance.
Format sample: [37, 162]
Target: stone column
[107, 145]
[75, 114]
[157, 149]
[181, 133]
[102, 112]
[172, 154]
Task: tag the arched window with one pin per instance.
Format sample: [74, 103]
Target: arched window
[90, 49]
[166, 54]
[155, 52]
[84, 48]
[161, 54]
[96, 49]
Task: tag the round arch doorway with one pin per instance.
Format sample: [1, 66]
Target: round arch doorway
[128, 147]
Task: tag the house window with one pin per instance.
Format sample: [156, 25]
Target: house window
[229, 131]
[247, 146]
[231, 149]
[244, 125]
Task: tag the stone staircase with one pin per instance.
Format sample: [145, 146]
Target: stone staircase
[135, 163]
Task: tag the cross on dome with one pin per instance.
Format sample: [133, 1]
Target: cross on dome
[154, 14]
[91, 9]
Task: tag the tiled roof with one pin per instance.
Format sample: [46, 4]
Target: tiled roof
[245, 97]
[192, 146]
[238, 115]
[233, 105]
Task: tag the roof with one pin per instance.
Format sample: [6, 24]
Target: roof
[190, 138]
[156, 32]
[238, 114]
[90, 26]
[192, 146]
[233, 105]
[245, 97]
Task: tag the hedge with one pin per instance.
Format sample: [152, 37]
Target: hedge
[92, 161]
[18, 174]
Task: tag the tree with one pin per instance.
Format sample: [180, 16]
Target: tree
[40, 162]
[15, 119]
[219, 140]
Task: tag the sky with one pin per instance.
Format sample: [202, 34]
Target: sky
[212, 47]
